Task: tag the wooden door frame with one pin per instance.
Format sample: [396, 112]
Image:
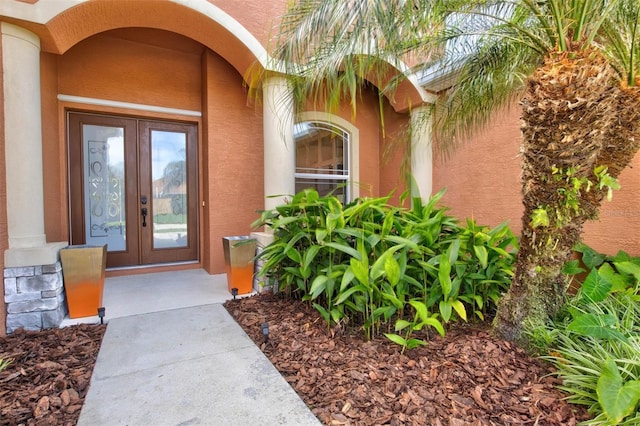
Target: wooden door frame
[75, 120]
[149, 255]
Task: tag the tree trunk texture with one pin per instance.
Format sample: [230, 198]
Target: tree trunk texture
[575, 115]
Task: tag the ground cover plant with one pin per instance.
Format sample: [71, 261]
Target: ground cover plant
[386, 269]
[595, 342]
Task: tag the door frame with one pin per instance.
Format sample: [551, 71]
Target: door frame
[131, 123]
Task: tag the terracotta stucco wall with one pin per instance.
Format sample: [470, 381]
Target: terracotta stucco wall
[117, 66]
[259, 18]
[378, 172]
[618, 227]
[233, 159]
[135, 67]
[393, 162]
[367, 122]
[483, 181]
[482, 178]
[53, 151]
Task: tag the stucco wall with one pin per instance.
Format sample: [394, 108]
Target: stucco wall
[482, 179]
[53, 153]
[143, 66]
[259, 18]
[618, 227]
[4, 234]
[232, 159]
[378, 170]
[393, 164]
[368, 126]
[163, 69]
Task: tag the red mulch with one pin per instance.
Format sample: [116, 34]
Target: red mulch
[467, 378]
[49, 376]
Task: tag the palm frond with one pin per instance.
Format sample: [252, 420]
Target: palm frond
[487, 47]
[489, 79]
[621, 40]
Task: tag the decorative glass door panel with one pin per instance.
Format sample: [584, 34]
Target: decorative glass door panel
[133, 186]
[104, 175]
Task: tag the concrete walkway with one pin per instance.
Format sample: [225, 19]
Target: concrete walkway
[189, 365]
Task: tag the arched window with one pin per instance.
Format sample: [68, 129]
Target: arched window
[323, 159]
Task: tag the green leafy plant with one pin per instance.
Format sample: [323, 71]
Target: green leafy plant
[595, 342]
[570, 185]
[5, 363]
[421, 318]
[617, 397]
[376, 266]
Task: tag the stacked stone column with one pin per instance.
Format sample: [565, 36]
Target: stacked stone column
[34, 296]
[32, 265]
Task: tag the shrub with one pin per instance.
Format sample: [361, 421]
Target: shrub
[386, 268]
[595, 343]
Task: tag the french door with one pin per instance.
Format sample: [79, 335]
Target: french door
[133, 186]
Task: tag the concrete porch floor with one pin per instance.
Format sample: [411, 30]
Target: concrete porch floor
[155, 292]
[172, 355]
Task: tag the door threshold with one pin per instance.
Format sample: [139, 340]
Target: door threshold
[148, 269]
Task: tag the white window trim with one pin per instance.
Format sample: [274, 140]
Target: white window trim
[353, 145]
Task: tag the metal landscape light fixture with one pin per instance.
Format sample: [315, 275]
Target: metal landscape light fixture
[265, 331]
[234, 293]
[101, 314]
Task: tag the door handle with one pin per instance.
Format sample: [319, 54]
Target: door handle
[144, 211]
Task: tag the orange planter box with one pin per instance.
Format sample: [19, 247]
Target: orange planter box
[83, 269]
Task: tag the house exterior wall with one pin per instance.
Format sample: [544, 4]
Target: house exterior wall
[141, 53]
[394, 143]
[4, 235]
[618, 227]
[232, 160]
[259, 18]
[482, 179]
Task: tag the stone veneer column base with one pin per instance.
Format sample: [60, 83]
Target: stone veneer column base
[34, 296]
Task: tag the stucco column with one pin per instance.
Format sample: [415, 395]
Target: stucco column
[421, 153]
[279, 145]
[23, 150]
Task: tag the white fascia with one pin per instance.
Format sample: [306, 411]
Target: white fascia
[41, 12]
[44, 11]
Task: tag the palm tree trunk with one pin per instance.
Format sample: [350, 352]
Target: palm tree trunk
[572, 122]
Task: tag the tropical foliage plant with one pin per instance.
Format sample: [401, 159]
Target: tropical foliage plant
[384, 268]
[595, 341]
[573, 65]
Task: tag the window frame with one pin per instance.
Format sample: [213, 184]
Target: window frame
[349, 133]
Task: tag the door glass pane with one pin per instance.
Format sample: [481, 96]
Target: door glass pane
[104, 192]
[169, 186]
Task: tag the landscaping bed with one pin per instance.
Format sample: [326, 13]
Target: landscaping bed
[466, 378]
[49, 375]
